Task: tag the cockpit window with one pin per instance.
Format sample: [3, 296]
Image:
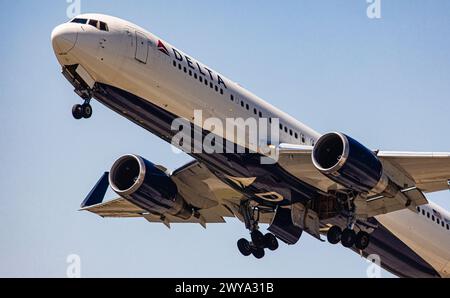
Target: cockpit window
[93, 23]
[99, 25]
[79, 21]
[104, 26]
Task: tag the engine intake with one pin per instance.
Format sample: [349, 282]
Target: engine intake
[147, 186]
[349, 163]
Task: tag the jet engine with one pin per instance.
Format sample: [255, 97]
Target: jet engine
[147, 186]
[352, 165]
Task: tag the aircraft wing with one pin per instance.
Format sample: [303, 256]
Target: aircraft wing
[122, 208]
[428, 172]
[213, 200]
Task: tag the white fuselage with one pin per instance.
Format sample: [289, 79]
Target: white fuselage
[135, 60]
[425, 232]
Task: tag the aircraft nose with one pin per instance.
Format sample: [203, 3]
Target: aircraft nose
[64, 38]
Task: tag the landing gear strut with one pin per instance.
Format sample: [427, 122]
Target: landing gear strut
[259, 242]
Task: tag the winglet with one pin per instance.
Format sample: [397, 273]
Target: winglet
[97, 193]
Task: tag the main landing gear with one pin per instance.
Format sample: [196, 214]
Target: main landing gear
[348, 237]
[259, 242]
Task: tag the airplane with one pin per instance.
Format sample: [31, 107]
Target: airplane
[329, 186]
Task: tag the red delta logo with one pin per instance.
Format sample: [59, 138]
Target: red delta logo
[162, 48]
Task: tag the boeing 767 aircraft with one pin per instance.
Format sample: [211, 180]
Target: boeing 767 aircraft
[292, 178]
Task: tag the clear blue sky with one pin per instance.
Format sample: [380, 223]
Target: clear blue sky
[385, 82]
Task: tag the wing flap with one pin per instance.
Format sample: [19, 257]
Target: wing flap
[116, 208]
[202, 189]
[430, 171]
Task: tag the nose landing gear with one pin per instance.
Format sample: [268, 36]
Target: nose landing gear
[82, 111]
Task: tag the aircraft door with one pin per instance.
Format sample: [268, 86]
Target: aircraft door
[142, 45]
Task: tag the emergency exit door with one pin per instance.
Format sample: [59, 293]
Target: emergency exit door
[141, 47]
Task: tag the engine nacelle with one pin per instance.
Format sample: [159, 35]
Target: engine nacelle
[142, 183]
[349, 163]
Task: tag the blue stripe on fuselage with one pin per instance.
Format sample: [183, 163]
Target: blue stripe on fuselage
[396, 256]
